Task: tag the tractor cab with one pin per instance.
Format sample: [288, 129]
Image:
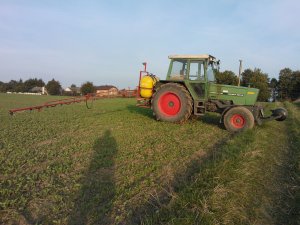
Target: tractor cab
[192, 68]
[195, 72]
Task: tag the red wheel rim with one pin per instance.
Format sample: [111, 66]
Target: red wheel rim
[169, 104]
[237, 121]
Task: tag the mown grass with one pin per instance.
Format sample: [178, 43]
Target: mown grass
[53, 161]
[114, 164]
[253, 178]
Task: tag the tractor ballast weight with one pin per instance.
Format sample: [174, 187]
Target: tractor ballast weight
[190, 89]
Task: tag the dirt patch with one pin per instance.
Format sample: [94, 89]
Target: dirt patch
[46, 142]
[12, 217]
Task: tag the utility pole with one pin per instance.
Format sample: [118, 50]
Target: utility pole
[240, 72]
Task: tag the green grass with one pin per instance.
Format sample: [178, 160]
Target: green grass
[115, 164]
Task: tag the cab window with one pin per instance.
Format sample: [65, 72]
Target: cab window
[196, 70]
[179, 69]
[210, 73]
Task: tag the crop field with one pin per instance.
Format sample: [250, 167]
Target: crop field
[115, 164]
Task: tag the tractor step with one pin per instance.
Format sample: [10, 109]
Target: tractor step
[199, 107]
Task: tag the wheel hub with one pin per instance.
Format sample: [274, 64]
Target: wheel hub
[238, 121]
[169, 104]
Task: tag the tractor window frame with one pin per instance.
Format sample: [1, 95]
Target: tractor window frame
[180, 73]
[200, 73]
[210, 73]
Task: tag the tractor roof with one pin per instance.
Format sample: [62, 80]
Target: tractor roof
[204, 56]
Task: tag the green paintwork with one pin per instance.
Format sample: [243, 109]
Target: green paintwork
[188, 84]
[212, 91]
[239, 95]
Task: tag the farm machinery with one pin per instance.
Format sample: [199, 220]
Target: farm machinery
[190, 89]
[88, 99]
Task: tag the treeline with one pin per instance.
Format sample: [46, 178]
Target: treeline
[287, 87]
[21, 86]
[53, 87]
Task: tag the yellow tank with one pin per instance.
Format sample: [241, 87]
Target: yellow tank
[146, 85]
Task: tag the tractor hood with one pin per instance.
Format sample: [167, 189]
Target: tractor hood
[239, 95]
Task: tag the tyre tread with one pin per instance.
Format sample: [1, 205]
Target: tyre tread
[187, 95]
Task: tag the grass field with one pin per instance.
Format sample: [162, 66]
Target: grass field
[115, 164]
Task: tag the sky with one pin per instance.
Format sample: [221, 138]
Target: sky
[106, 41]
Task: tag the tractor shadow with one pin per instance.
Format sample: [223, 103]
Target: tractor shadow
[94, 200]
[183, 179]
[142, 111]
[210, 119]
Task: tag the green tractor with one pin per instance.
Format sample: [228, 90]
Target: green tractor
[190, 89]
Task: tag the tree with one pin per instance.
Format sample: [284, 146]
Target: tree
[285, 83]
[73, 85]
[257, 79]
[87, 87]
[11, 85]
[53, 87]
[295, 93]
[289, 84]
[19, 87]
[33, 82]
[226, 77]
[3, 87]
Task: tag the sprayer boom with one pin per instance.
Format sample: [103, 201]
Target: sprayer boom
[66, 101]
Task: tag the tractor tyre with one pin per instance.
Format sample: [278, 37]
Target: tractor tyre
[172, 103]
[238, 119]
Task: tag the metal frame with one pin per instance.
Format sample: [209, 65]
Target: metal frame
[66, 101]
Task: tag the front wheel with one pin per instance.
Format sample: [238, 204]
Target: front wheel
[238, 119]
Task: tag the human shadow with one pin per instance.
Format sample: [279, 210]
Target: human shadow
[94, 200]
[138, 110]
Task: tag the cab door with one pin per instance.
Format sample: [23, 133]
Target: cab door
[196, 76]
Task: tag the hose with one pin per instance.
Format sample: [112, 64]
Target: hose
[87, 97]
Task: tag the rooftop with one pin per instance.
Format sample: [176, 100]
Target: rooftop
[105, 87]
[203, 56]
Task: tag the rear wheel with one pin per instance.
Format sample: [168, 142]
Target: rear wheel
[172, 102]
[238, 119]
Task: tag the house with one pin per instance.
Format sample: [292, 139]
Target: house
[72, 91]
[67, 89]
[106, 91]
[39, 90]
